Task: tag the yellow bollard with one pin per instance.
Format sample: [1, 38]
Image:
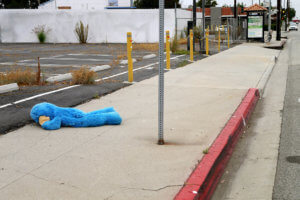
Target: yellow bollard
[228, 37]
[168, 49]
[207, 43]
[129, 57]
[191, 45]
[219, 40]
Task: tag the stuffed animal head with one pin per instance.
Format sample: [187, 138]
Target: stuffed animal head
[42, 110]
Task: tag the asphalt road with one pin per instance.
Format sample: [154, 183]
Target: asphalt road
[287, 181]
[62, 58]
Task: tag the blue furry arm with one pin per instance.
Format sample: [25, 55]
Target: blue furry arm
[53, 124]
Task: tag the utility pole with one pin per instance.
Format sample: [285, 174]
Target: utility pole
[235, 22]
[203, 24]
[235, 15]
[176, 20]
[278, 28]
[288, 10]
[203, 18]
[269, 19]
[194, 13]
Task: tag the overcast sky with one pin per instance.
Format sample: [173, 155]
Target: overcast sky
[294, 3]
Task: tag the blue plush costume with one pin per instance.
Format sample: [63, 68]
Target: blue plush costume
[73, 117]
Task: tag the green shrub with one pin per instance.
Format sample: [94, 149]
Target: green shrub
[82, 32]
[42, 37]
[41, 32]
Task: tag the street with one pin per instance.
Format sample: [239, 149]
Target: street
[287, 181]
[265, 162]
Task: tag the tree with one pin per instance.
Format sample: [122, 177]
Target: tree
[292, 14]
[208, 3]
[155, 3]
[19, 4]
[242, 5]
[226, 5]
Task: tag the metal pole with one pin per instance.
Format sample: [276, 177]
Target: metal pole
[131, 3]
[278, 29]
[288, 14]
[176, 20]
[269, 19]
[161, 75]
[194, 13]
[235, 15]
[234, 28]
[55, 5]
[203, 21]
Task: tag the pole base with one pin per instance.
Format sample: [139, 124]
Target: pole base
[161, 142]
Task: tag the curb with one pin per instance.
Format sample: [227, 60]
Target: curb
[266, 75]
[8, 88]
[204, 179]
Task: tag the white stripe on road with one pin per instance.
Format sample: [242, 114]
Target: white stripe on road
[74, 86]
[39, 95]
[35, 64]
[82, 54]
[76, 59]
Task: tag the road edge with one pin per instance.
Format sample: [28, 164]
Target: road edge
[204, 179]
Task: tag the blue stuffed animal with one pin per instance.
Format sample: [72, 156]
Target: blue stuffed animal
[52, 117]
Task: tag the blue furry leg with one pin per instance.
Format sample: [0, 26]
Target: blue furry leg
[111, 118]
[104, 110]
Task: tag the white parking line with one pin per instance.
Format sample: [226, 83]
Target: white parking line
[76, 59]
[74, 86]
[35, 64]
[81, 54]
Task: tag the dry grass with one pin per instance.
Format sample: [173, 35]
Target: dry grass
[83, 76]
[182, 41]
[116, 59]
[22, 77]
[145, 46]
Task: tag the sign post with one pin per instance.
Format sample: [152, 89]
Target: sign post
[161, 75]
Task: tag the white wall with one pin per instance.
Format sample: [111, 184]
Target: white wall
[82, 4]
[108, 26]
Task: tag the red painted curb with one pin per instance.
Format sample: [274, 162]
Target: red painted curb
[203, 180]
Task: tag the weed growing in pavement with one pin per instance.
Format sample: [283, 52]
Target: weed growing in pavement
[21, 77]
[82, 32]
[174, 44]
[41, 32]
[83, 76]
[96, 96]
[183, 63]
[205, 151]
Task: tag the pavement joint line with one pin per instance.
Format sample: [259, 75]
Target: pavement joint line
[74, 86]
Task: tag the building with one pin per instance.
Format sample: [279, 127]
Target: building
[216, 16]
[86, 4]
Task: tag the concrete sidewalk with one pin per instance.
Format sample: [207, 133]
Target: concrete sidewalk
[124, 162]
